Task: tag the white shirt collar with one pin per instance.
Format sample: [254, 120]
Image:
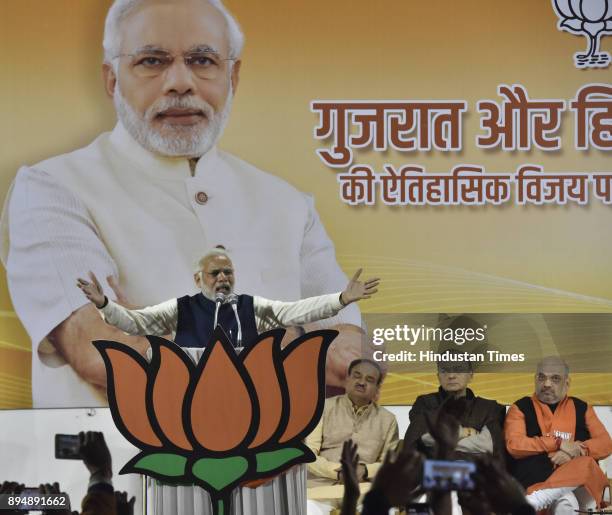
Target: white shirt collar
[168, 168]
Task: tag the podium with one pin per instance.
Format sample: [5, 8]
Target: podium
[284, 495]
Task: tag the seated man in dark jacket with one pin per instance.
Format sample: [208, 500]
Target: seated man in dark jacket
[481, 421]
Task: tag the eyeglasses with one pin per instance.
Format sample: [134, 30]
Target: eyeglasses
[227, 272]
[153, 63]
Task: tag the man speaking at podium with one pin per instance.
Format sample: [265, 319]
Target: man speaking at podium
[191, 319]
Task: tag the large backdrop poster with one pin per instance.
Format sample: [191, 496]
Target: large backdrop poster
[458, 150]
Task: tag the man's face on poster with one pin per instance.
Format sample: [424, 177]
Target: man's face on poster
[216, 276]
[172, 81]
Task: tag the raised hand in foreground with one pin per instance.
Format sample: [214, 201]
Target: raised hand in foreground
[397, 482]
[350, 462]
[444, 428]
[124, 507]
[95, 454]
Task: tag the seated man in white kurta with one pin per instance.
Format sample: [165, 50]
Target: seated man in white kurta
[191, 319]
[138, 204]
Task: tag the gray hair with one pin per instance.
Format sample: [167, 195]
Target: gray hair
[216, 252]
[121, 8]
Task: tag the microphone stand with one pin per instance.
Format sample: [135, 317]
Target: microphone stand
[233, 299]
[219, 299]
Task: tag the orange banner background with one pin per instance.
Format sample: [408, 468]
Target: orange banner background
[450, 259]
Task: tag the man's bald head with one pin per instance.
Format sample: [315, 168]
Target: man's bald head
[553, 362]
[552, 380]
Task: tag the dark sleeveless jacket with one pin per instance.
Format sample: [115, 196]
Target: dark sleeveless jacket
[196, 315]
[536, 469]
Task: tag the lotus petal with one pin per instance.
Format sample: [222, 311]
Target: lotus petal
[563, 8]
[169, 390]
[127, 383]
[593, 10]
[221, 405]
[575, 7]
[304, 365]
[260, 365]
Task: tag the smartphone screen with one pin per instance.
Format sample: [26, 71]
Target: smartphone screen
[448, 475]
[67, 447]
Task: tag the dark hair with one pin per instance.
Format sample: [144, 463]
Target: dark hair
[356, 362]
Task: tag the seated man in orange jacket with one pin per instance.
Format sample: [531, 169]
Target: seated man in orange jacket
[555, 441]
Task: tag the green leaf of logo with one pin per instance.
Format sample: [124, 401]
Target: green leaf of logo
[220, 472]
[273, 460]
[163, 464]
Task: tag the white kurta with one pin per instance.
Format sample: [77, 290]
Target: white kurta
[116, 209]
[162, 319]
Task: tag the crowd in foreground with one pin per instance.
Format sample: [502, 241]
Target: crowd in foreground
[100, 499]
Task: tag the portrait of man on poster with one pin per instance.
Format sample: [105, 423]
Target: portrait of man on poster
[138, 206]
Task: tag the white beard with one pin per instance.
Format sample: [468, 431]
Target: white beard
[175, 140]
[211, 294]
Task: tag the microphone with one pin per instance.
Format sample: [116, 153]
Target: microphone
[219, 299]
[233, 300]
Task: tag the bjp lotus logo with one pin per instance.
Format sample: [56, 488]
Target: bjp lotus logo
[593, 18]
[229, 420]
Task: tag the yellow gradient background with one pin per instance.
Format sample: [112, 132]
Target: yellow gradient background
[451, 259]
